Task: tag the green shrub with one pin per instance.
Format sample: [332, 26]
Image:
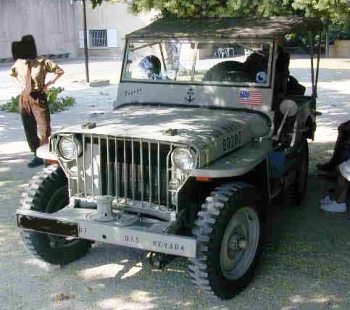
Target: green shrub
[56, 104]
[11, 106]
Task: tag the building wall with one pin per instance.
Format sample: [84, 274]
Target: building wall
[55, 24]
[340, 49]
[52, 24]
[113, 16]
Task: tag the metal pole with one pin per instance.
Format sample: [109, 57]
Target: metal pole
[327, 44]
[86, 51]
[311, 39]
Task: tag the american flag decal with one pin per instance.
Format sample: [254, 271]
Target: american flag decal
[250, 97]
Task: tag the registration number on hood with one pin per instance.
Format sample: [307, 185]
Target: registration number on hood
[232, 141]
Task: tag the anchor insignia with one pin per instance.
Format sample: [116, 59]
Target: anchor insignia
[190, 95]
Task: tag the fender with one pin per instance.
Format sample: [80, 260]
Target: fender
[236, 163]
[44, 153]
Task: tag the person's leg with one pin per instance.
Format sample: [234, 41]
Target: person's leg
[42, 115]
[29, 122]
[337, 156]
[337, 203]
[341, 189]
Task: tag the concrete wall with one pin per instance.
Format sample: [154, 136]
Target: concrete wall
[52, 23]
[340, 49]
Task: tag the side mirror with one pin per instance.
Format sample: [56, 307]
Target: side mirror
[289, 107]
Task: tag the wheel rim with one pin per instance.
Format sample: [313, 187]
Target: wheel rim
[240, 243]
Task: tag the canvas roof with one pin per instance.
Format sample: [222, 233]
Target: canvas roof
[227, 27]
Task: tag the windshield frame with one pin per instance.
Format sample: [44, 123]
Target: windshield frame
[145, 42]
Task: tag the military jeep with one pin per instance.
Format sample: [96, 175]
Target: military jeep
[207, 129]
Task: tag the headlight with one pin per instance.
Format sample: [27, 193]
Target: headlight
[69, 148]
[183, 159]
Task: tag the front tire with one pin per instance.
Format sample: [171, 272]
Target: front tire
[48, 193]
[228, 233]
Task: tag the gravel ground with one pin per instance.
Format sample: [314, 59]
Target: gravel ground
[304, 265]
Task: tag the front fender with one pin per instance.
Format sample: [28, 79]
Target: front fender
[44, 153]
[236, 163]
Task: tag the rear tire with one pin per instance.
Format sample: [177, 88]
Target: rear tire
[48, 193]
[228, 233]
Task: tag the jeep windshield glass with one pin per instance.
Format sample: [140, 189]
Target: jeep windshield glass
[199, 62]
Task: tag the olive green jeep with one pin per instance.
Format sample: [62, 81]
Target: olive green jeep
[208, 127]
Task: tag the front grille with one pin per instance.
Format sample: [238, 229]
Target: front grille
[127, 169]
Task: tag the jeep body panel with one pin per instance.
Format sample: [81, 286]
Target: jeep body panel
[190, 95]
[237, 163]
[212, 137]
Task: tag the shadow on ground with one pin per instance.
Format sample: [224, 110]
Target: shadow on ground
[304, 265]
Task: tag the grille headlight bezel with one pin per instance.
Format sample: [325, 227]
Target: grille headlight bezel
[68, 148]
[184, 159]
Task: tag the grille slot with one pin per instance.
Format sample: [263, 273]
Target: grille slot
[128, 169]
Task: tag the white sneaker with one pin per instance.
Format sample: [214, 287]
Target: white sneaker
[326, 200]
[334, 207]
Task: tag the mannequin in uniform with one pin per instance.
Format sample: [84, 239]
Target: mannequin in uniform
[30, 71]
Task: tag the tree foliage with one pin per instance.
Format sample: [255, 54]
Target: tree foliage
[95, 3]
[331, 11]
[211, 8]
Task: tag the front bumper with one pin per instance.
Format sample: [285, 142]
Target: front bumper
[125, 230]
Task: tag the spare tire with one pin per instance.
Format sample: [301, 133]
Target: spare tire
[231, 71]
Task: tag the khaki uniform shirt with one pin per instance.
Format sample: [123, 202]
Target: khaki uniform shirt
[40, 66]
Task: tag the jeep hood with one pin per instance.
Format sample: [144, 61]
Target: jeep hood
[220, 130]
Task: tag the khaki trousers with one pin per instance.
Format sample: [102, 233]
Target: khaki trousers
[35, 115]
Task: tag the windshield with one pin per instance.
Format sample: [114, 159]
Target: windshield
[200, 62]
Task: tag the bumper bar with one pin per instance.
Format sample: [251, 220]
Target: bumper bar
[78, 223]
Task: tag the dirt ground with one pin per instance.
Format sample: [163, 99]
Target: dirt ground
[305, 264]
